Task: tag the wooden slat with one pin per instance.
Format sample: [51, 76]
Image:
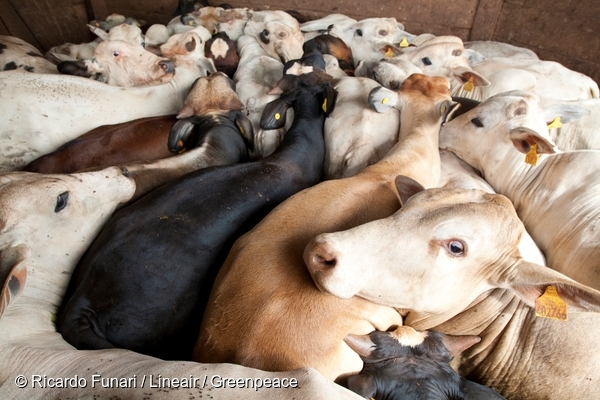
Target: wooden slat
[97, 10]
[15, 26]
[486, 18]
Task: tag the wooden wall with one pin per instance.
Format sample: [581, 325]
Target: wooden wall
[566, 31]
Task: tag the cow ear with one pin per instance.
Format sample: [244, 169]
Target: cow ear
[382, 99]
[274, 114]
[77, 68]
[531, 280]
[361, 344]
[523, 138]
[12, 260]
[186, 112]
[388, 50]
[407, 187]
[181, 136]
[330, 97]
[464, 75]
[566, 112]
[246, 130]
[456, 344]
[363, 384]
[102, 34]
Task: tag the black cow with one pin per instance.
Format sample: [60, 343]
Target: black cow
[144, 282]
[409, 365]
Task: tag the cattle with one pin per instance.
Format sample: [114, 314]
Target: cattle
[214, 19]
[16, 53]
[490, 49]
[494, 138]
[577, 130]
[125, 32]
[369, 39]
[328, 44]
[549, 79]
[256, 75]
[35, 122]
[210, 208]
[211, 101]
[48, 222]
[223, 51]
[449, 260]
[408, 364]
[389, 72]
[357, 135]
[120, 63]
[287, 321]
[277, 32]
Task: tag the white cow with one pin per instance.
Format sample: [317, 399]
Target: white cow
[48, 221]
[449, 260]
[33, 105]
[17, 53]
[556, 199]
[256, 75]
[277, 32]
[490, 48]
[356, 135]
[123, 64]
[580, 129]
[370, 38]
[549, 79]
[455, 173]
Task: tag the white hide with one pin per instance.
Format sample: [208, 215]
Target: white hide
[556, 199]
[25, 56]
[278, 33]
[256, 75]
[355, 134]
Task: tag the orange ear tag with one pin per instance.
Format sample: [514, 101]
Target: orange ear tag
[556, 123]
[469, 85]
[324, 106]
[389, 53]
[532, 156]
[404, 42]
[550, 305]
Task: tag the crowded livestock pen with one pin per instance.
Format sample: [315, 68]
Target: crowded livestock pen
[237, 201]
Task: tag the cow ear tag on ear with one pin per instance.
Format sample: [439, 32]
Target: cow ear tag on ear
[389, 53]
[532, 156]
[404, 42]
[469, 85]
[550, 305]
[556, 123]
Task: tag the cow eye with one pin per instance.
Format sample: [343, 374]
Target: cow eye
[426, 60]
[61, 201]
[477, 122]
[116, 53]
[455, 247]
[382, 32]
[359, 32]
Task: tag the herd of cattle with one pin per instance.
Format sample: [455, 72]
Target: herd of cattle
[296, 208]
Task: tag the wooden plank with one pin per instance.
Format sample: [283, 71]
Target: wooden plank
[486, 19]
[97, 10]
[15, 25]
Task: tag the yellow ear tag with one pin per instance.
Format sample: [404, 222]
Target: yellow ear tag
[404, 42]
[550, 305]
[389, 53]
[277, 116]
[555, 124]
[532, 156]
[469, 85]
[191, 23]
[242, 131]
[324, 106]
[443, 110]
[385, 100]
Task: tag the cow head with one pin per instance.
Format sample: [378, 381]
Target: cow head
[47, 222]
[123, 64]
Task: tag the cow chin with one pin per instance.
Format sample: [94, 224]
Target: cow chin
[328, 284]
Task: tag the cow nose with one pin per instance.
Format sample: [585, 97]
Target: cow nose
[319, 257]
[167, 66]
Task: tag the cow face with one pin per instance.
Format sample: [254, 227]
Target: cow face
[47, 223]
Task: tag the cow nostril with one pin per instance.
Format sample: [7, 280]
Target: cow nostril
[324, 262]
[320, 259]
[125, 172]
[166, 66]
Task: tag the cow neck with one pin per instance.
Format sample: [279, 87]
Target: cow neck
[32, 314]
[416, 154]
[303, 143]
